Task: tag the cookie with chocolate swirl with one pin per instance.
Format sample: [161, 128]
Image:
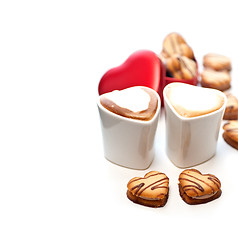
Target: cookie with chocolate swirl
[230, 134]
[198, 188]
[174, 43]
[231, 111]
[181, 67]
[150, 190]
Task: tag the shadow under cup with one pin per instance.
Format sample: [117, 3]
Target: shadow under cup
[191, 141]
[128, 142]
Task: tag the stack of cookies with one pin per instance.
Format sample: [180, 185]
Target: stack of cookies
[178, 57]
[230, 134]
[216, 73]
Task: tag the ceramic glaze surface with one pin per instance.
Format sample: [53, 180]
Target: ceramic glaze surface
[191, 141]
[128, 142]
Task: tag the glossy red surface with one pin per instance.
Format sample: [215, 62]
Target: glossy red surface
[142, 68]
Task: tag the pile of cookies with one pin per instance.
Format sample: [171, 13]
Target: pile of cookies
[216, 72]
[230, 134]
[178, 57]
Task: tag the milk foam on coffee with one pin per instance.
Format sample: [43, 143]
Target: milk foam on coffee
[134, 99]
[134, 102]
[192, 101]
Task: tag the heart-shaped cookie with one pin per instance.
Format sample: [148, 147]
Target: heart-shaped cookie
[197, 188]
[142, 68]
[150, 190]
[230, 134]
[174, 43]
[220, 80]
[217, 62]
[231, 111]
[182, 67]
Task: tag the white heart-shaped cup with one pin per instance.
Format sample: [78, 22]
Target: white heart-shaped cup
[193, 118]
[129, 121]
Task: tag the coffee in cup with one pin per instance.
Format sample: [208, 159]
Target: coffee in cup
[193, 118]
[138, 103]
[129, 121]
[189, 101]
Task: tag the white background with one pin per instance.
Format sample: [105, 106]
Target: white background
[54, 180]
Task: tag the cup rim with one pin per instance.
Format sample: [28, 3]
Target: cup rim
[197, 117]
[131, 119]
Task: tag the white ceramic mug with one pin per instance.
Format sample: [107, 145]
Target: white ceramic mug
[191, 141]
[128, 142]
